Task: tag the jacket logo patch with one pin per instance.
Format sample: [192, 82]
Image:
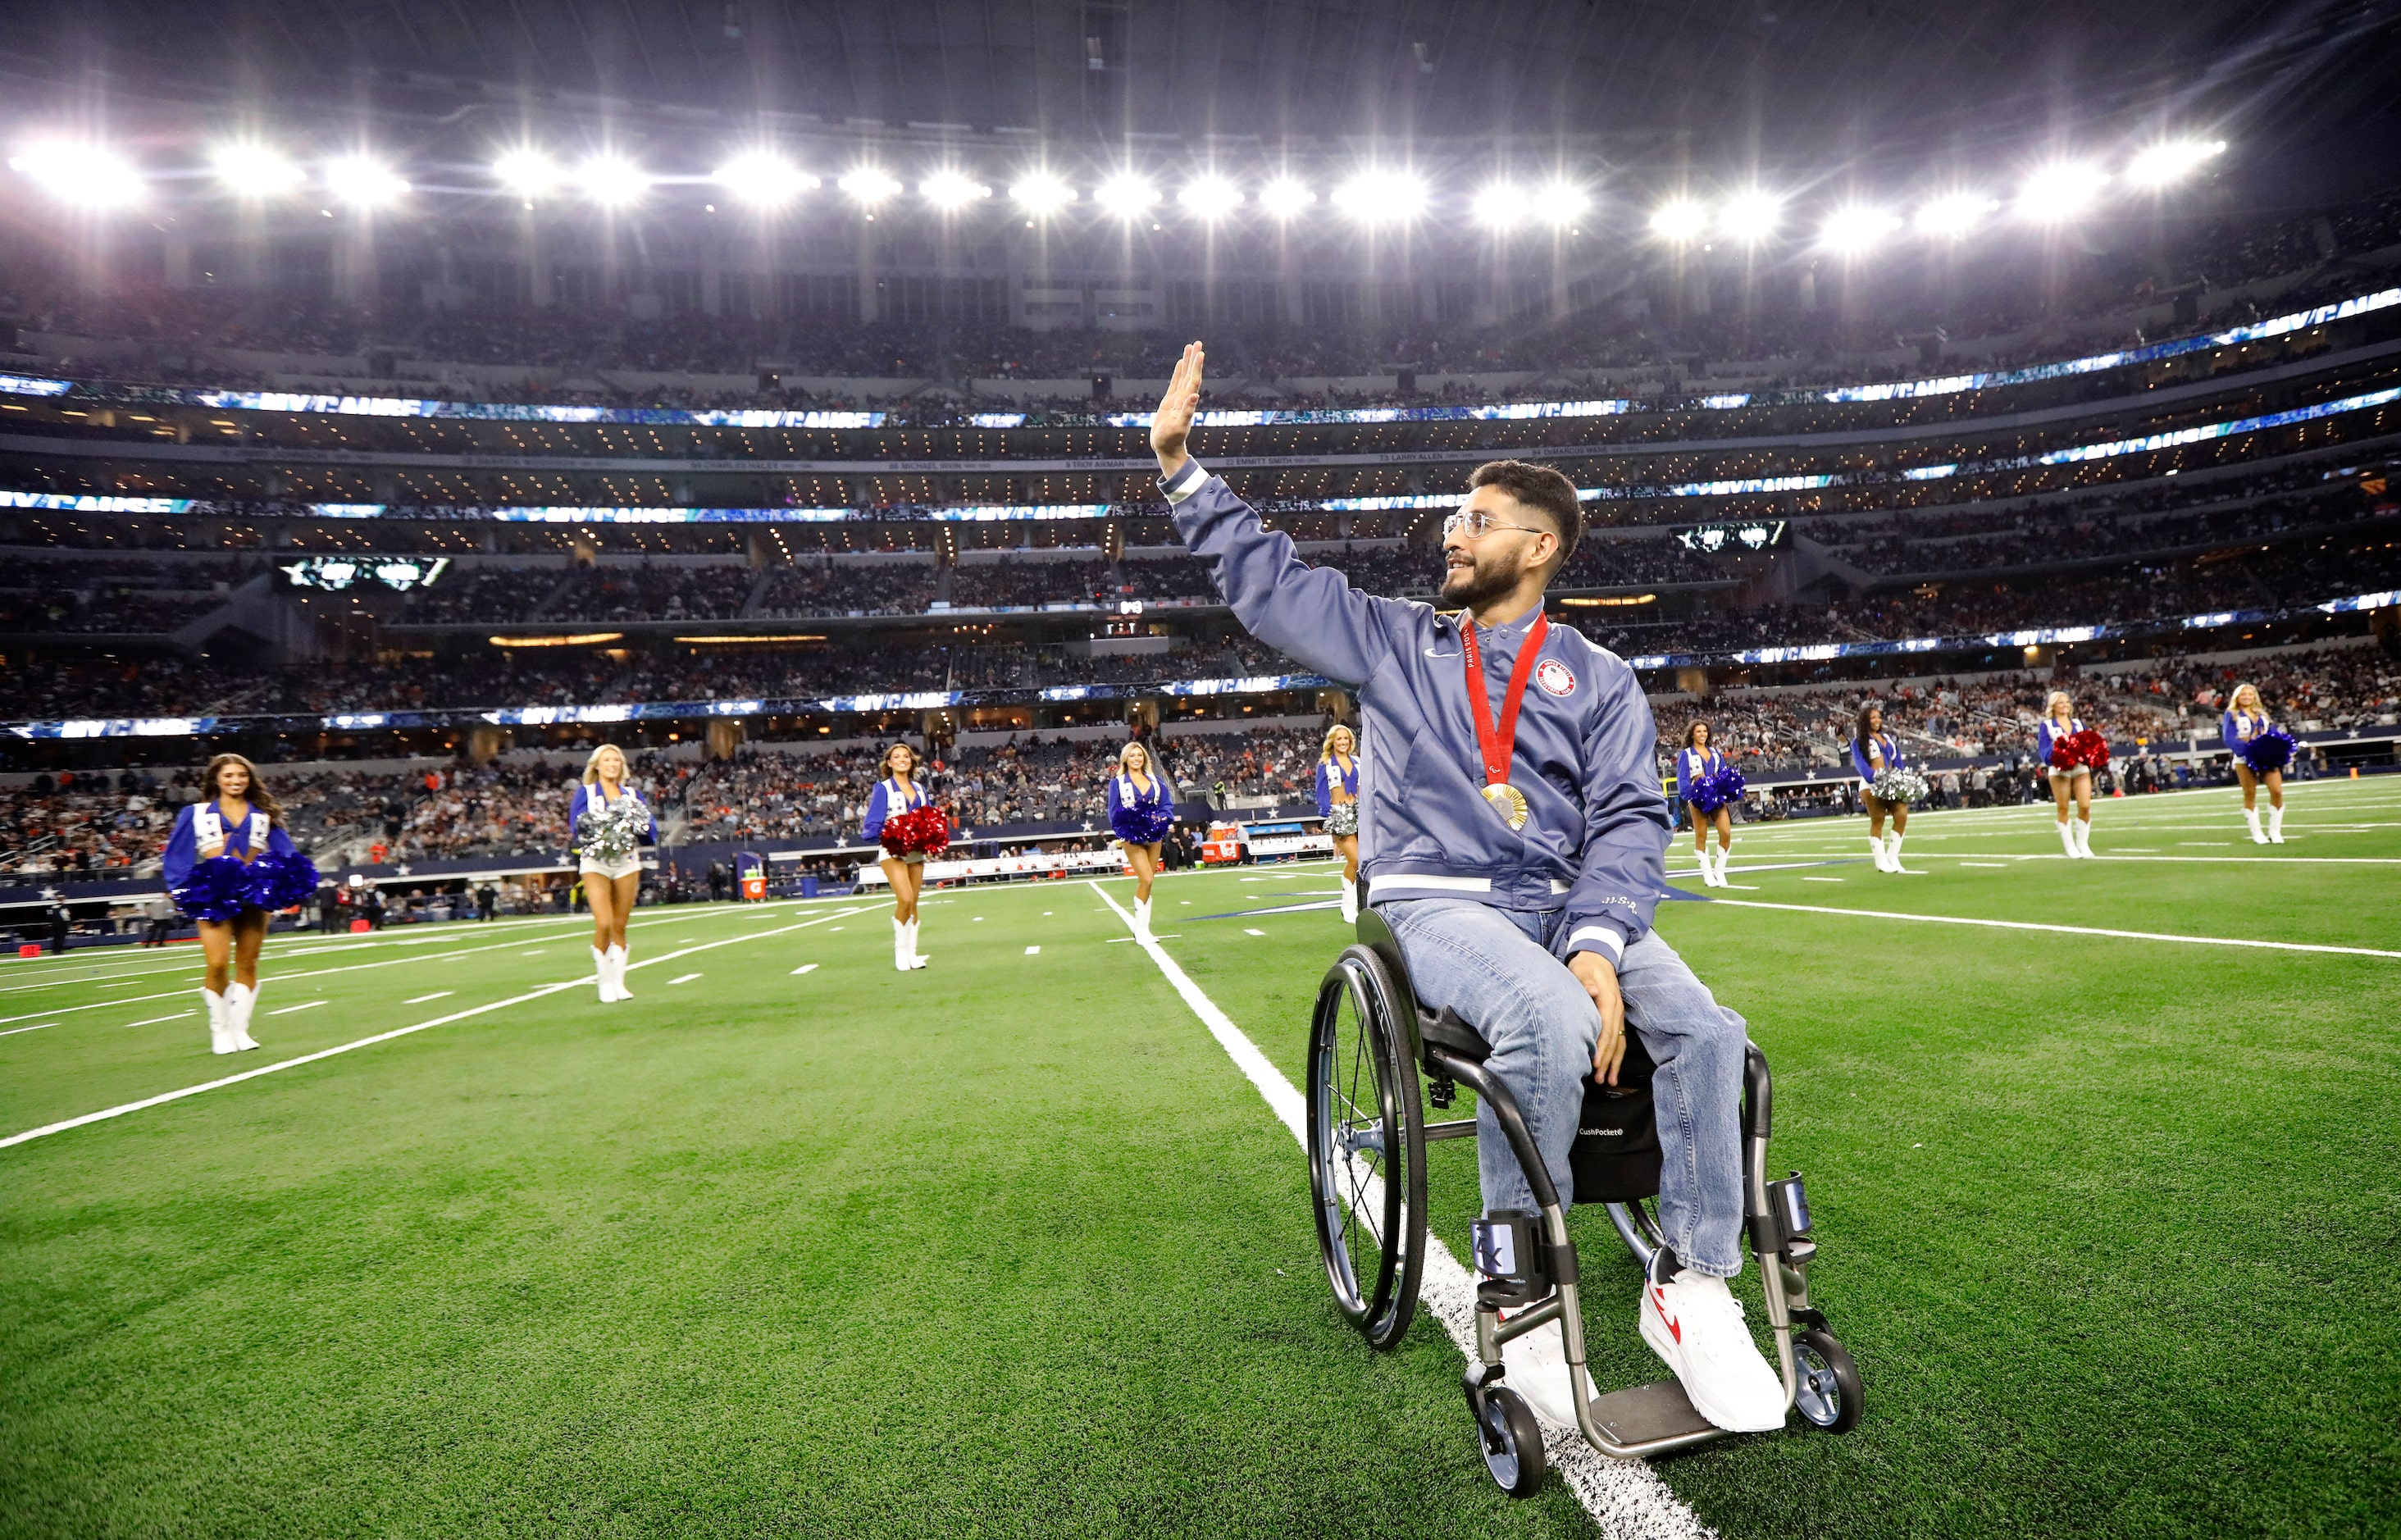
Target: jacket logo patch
[1555, 676]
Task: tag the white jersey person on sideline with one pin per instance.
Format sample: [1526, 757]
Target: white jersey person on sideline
[1513, 832]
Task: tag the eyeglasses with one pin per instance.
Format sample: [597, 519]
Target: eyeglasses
[1475, 523]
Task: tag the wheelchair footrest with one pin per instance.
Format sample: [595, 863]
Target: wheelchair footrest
[1642, 1413]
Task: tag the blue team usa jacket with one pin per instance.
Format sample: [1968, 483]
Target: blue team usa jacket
[253, 836]
[590, 797]
[1887, 745]
[892, 795]
[1597, 839]
[1692, 765]
[1132, 808]
[1329, 775]
[2048, 735]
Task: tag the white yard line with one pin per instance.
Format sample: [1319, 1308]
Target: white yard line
[303, 1005]
[428, 999]
[2065, 929]
[534, 994]
[1624, 1497]
[684, 978]
[14, 1030]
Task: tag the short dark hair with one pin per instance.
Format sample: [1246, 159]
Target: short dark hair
[1542, 488]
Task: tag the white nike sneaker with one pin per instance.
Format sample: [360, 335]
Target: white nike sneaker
[1695, 1324]
[1537, 1366]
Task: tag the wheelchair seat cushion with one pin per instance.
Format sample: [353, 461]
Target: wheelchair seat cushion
[1453, 1035]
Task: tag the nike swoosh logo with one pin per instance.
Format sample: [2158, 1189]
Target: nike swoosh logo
[1432, 654]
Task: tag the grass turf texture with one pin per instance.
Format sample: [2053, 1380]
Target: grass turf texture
[1007, 1246]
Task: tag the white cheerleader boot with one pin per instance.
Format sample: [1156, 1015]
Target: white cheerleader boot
[1142, 918]
[240, 1000]
[2084, 837]
[1875, 848]
[2251, 817]
[2275, 825]
[903, 954]
[600, 975]
[916, 958]
[617, 974]
[2067, 837]
[1892, 851]
[220, 1041]
[1726, 854]
[1350, 901]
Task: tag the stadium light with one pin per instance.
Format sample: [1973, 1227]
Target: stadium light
[762, 180]
[1751, 216]
[1210, 197]
[612, 180]
[1855, 230]
[1125, 195]
[868, 187]
[528, 173]
[952, 190]
[1680, 219]
[363, 182]
[2060, 191]
[1041, 194]
[1381, 198]
[2171, 161]
[254, 170]
[1954, 214]
[1562, 202]
[90, 175]
[1499, 207]
[1283, 198]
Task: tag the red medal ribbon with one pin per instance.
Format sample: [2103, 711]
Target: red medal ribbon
[1499, 743]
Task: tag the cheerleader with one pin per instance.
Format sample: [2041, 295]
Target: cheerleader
[1338, 803]
[1140, 807]
[237, 816]
[894, 793]
[1873, 752]
[611, 880]
[2246, 718]
[1695, 760]
[2060, 723]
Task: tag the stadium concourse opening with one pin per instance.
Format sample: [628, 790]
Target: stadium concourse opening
[736, 793]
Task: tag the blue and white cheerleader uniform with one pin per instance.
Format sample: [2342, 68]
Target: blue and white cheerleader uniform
[1692, 765]
[1136, 813]
[1887, 745]
[2048, 736]
[202, 824]
[1341, 817]
[587, 798]
[892, 797]
[2238, 728]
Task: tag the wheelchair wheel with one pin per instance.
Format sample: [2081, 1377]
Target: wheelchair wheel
[1512, 1443]
[1366, 1148]
[1830, 1397]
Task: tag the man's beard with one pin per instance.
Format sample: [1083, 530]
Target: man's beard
[1467, 587]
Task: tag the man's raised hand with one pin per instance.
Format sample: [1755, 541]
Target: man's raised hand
[1171, 424]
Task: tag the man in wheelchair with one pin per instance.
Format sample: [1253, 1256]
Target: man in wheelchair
[1513, 834]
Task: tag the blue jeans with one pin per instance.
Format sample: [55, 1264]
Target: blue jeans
[1494, 967]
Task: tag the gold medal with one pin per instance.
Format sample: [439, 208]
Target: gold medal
[1509, 802]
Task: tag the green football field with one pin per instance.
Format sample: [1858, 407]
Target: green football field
[792, 1244]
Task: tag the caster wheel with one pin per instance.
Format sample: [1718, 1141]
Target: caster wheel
[1512, 1443]
[1830, 1397]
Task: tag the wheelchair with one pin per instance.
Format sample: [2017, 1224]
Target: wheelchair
[1367, 1134]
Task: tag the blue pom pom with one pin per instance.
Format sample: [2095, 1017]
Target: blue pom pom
[1718, 790]
[2273, 749]
[278, 882]
[1141, 826]
[217, 889]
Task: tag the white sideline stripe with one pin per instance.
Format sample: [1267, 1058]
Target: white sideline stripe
[303, 1005]
[2067, 930]
[534, 994]
[1625, 1498]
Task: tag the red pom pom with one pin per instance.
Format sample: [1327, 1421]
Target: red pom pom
[919, 831]
[2063, 753]
[2090, 749]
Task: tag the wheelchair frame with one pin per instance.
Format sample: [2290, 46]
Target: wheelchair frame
[1399, 1038]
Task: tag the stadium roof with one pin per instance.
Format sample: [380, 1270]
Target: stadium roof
[1716, 78]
